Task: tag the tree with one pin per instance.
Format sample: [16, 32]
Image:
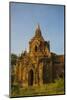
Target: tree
[13, 59]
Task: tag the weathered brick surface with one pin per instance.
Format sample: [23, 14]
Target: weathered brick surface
[37, 66]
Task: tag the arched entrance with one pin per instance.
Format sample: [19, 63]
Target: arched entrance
[30, 77]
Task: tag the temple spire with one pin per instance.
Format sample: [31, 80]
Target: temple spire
[38, 26]
[38, 31]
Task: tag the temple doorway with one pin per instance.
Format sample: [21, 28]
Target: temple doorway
[30, 78]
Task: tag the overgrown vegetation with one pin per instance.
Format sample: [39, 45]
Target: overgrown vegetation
[13, 59]
[46, 89]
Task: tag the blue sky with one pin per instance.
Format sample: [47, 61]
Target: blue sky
[24, 19]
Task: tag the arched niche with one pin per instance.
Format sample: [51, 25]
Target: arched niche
[30, 77]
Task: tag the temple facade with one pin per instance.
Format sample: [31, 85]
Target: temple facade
[35, 67]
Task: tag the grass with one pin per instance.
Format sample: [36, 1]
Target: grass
[46, 89]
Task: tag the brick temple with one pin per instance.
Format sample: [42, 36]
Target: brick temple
[39, 65]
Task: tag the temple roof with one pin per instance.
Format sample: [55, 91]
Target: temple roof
[38, 34]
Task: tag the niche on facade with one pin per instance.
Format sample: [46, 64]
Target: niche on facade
[30, 77]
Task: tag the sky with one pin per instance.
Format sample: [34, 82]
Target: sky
[24, 19]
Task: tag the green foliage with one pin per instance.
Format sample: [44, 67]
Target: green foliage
[46, 89]
[60, 83]
[15, 90]
[13, 59]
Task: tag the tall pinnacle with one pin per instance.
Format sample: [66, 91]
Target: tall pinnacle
[38, 31]
[38, 26]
